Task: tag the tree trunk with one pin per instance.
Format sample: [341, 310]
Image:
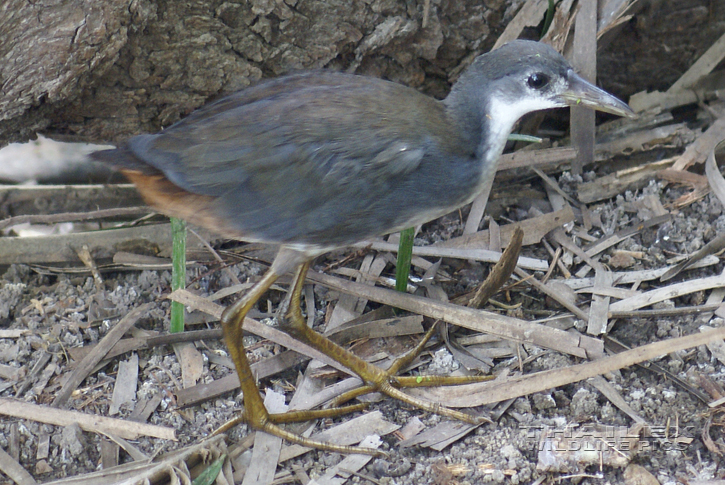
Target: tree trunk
[100, 71]
[95, 71]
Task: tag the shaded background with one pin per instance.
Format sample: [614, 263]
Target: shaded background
[83, 70]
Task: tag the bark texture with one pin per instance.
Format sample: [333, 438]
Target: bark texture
[100, 71]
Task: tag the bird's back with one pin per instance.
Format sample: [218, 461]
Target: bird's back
[321, 159]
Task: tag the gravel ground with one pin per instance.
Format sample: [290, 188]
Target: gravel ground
[56, 309]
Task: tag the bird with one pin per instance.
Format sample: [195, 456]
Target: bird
[320, 160]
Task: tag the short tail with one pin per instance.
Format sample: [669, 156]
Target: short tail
[122, 158]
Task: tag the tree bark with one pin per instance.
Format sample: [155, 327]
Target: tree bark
[101, 71]
[84, 70]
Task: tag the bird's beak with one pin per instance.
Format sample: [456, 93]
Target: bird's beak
[583, 93]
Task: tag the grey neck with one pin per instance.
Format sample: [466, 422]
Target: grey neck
[469, 105]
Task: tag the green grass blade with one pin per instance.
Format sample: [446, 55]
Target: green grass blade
[208, 476]
[526, 138]
[549, 17]
[405, 252]
[178, 271]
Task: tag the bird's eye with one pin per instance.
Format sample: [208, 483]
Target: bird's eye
[538, 80]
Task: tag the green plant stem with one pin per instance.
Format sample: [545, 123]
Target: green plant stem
[178, 271]
[548, 18]
[405, 252]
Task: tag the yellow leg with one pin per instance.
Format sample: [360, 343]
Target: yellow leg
[255, 414]
[411, 381]
[375, 379]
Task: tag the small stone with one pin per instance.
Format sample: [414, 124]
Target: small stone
[72, 439]
[621, 260]
[510, 451]
[391, 468]
[42, 467]
[543, 401]
[638, 475]
[498, 476]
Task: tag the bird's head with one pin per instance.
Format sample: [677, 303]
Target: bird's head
[524, 76]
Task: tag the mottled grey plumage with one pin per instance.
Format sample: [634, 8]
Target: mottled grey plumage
[325, 159]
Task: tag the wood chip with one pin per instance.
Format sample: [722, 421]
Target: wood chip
[479, 320]
[561, 25]
[478, 208]
[13, 333]
[44, 414]
[411, 428]
[618, 182]
[717, 347]
[57, 248]
[538, 158]
[349, 307]
[43, 450]
[698, 151]
[584, 58]
[681, 91]
[668, 292]
[703, 66]
[41, 199]
[144, 408]
[48, 372]
[534, 230]
[349, 465]
[713, 247]
[440, 436]
[85, 367]
[599, 309]
[109, 454]
[448, 250]
[638, 475]
[84, 254]
[564, 452]
[123, 346]
[265, 453]
[173, 467]
[714, 177]
[389, 327]
[629, 277]
[265, 368]
[350, 432]
[124, 389]
[609, 391]
[191, 361]
[500, 273]
[555, 293]
[133, 452]
[530, 15]
[10, 373]
[14, 470]
[71, 216]
[495, 391]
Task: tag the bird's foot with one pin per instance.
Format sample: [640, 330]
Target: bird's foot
[261, 420]
[389, 383]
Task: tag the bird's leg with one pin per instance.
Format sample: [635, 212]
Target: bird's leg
[495, 280]
[411, 381]
[375, 378]
[255, 413]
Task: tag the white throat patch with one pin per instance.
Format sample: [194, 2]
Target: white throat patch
[503, 116]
